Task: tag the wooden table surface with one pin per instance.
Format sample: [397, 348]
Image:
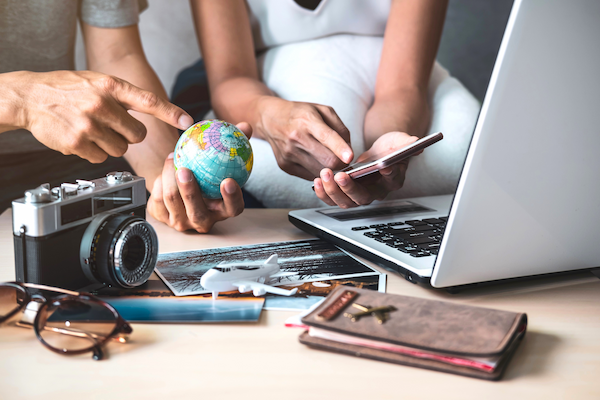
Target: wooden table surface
[559, 357]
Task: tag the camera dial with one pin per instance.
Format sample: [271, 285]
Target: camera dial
[118, 177]
[41, 194]
[119, 250]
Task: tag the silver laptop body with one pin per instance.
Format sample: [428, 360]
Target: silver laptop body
[527, 201]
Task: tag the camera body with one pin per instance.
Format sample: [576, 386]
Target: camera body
[93, 233]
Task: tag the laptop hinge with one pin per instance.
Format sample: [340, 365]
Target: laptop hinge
[596, 272]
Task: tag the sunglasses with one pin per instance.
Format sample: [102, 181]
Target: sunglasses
[69, 323]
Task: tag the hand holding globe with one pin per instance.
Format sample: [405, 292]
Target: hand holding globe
[214, 150]
[177, 198]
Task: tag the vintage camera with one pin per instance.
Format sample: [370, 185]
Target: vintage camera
[85, 235]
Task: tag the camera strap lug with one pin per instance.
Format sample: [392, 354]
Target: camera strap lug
[22, 231]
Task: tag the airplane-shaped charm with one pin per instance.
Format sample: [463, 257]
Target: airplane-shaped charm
[380, 313]
[244, 277]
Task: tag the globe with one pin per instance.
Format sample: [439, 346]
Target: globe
[214, 150]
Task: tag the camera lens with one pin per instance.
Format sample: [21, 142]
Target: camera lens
[133, 253]
[119, 250]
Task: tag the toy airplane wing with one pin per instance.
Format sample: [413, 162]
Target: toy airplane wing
[258, 289]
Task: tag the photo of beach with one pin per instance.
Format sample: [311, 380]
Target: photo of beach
[154, 302]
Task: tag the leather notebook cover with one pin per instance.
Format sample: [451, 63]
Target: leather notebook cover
[445, 329]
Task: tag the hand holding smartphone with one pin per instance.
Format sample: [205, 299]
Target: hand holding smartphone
[375, 163]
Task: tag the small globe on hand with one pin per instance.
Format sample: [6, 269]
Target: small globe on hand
[214, 150]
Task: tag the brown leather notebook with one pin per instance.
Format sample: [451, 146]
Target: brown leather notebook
[437, 335]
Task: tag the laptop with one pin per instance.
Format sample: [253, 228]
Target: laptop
[528, 199]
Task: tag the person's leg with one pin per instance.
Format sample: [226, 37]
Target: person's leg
[338, 71]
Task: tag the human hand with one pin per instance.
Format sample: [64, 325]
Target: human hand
[85, 113]
[305, 137]
[346, 192]
[177, 200]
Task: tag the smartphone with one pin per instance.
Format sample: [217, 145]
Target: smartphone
[380, 161]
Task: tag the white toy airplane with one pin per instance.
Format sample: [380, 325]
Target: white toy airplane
[244, 277]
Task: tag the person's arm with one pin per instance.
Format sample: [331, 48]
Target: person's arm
[175, 198]
[118, 52]
[12, 110]
[400, 113]
[305, 137]
[410, 45]
[80, 112]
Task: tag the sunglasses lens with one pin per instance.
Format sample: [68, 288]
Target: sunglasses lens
[11, 299]
[69, 324]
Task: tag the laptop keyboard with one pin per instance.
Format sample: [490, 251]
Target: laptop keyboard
[419, 238]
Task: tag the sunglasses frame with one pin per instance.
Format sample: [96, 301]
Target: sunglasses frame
[121, 326]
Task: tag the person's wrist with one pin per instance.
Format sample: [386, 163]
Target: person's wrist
[408, 112]
[13, 104]
[261, 107]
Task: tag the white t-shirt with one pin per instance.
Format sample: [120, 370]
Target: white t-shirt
[277, 22]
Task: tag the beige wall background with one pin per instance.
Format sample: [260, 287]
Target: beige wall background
[168, 38]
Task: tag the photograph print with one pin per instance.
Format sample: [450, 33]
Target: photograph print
[301, 261]
[153, 302]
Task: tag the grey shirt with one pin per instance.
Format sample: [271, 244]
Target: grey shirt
[39, 36]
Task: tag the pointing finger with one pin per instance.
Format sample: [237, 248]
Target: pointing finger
[333, 120]
[146, 102]
[332, 140]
